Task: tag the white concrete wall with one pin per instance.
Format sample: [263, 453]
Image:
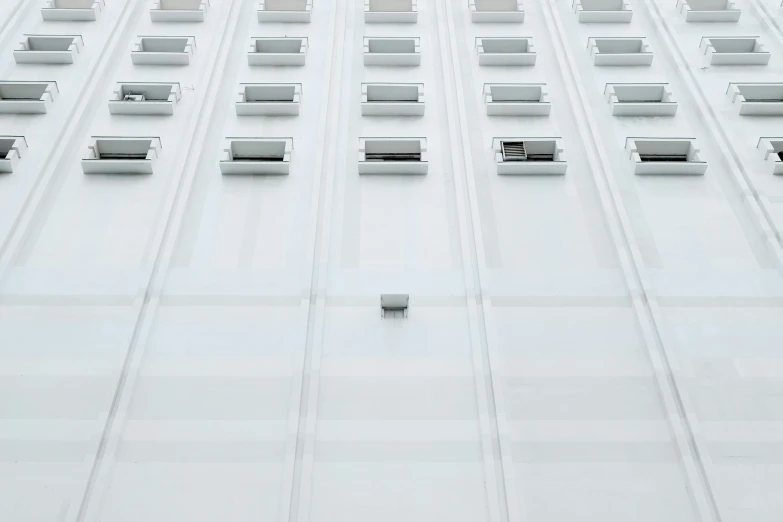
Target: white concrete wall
[191, 346]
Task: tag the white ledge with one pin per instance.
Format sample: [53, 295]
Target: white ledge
[709, 10]
[368, 147]
[163, 50]
[269, 99]
[624, 51]
[115, 155]
[556, 164]
[602, 11]
[734, 50]
[772, 150]
[12, 149]
[497, 11]
[277, 51]
[248, 155]
[27, 97]
[506, 51]
[640, 99]
[516, 99]
[286, 11]
[156, 98]
[391, 11]
[72, 10]
[53, 49]
[659, 156]
[179, 10]
[757, 99]
[392, 51]
[393, 99]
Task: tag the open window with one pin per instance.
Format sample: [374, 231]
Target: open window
[529, 156]
[285, 10]
[27, 97]
[757, 99]
[620, 51]
[12, 149]
[709, 10]
[269, 99]
[506, 51]
[392, 99]
[666, 156]
[145, 98]
[391, 11]
[257, 156]
[179, 10]
[392, 51]
[734, 50]
[602, 11]
[120, 155]
[772, 149]
[72, 10]
[46, 48]
[497, 11]
[516, 99]
[392, 156]
[163, 50]
[640, 99]
[277, 51]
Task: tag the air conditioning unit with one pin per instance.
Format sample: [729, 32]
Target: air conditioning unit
[513, 150]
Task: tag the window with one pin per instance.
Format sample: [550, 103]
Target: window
[392, 51]
[529, 156]
[163, 50]
[709, 10]
[496, 11]
[613, 11]
[12, 148]
[271, 99]
[285, 10]
[640, 99]
[516, 99]
[257, 156]
[145, 98]
[27, 97]
[757, 99]
[392, 156]
[277, 51]
[677, 156]
[390, 11]
[772, 148]
[738, 50]
[179, 10]
[48, 49]
[392, 99]
[620, 51]
[72, 10]
[120, 155]
[506, 51]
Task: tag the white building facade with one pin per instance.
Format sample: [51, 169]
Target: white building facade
[203, 201]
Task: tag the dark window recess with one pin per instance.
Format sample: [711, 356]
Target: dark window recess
[392, 156]
[258, 157]
[769, 100]
[123, 156]
[780, 155]
[663, 157]
[5, 148]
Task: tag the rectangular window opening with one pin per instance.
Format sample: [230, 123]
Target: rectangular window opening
[285, 5]
[132, 149]
[496, 5]
[619, 45]
[180, 5]
[6, 145]
[392, 150]
[505, 45]
[639, 93]
[762, 93]
[72, 4]
[270, 93]
[22, 91]
[392, 93]
[49, 43]
[515, 93]
[390, 6]
[392, 45]
[280, 45]
[663, 151]
[708, 5]
[527, 150]
[253, 150]
[602, 5]
[164, 45]
[733, 45]
[141, 93]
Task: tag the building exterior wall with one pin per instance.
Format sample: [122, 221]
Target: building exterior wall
[191, 346]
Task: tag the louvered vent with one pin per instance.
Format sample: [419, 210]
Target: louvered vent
[513, 150]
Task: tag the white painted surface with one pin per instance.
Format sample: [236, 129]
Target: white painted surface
[192, 346]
